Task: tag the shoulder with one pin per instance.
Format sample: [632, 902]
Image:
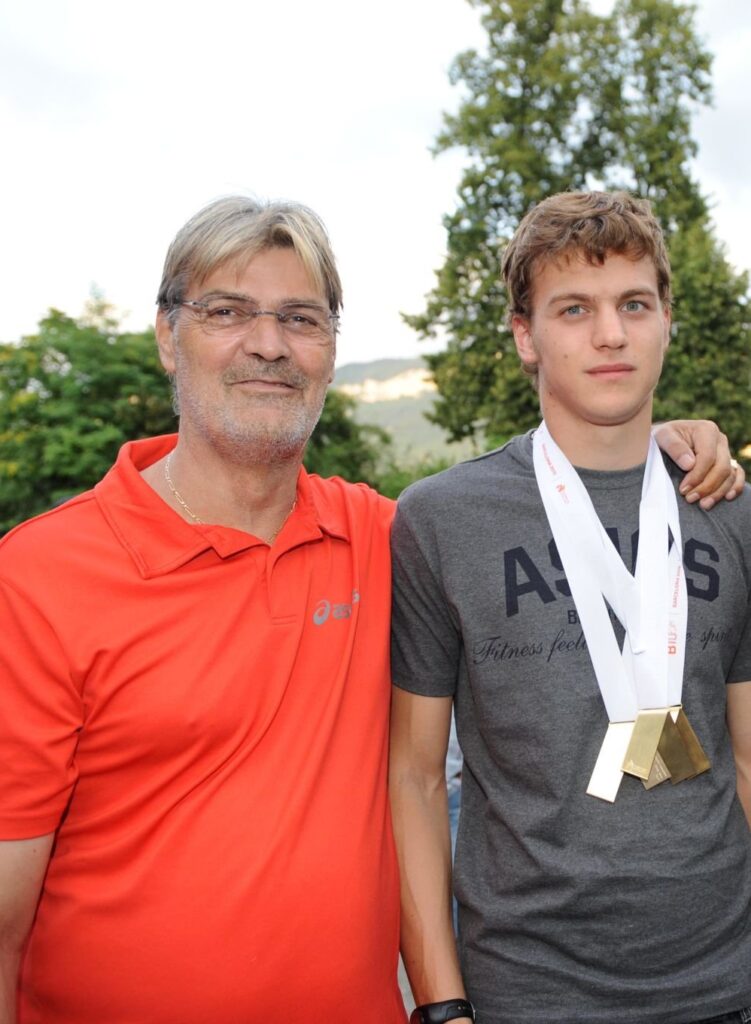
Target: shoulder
[36, 538]
[723, 531]
[730, 520]
[74, 525]
[338, 500]
[474, 480]
[43, 559]
[733, 516]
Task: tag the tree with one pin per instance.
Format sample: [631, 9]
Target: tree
[340, 446]
[75, 391]
[565, 99]
[708, 366]
[70, 395]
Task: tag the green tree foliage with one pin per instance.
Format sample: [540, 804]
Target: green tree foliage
[395, 474]
[75, 391]
[566, 99]
[707, 372]
[340, 446]
[70, 395]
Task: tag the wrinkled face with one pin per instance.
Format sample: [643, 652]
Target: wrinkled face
[597, 335]
[253, 394]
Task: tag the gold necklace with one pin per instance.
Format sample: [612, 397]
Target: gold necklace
[186, 507]
[178, 497]
[281, 526]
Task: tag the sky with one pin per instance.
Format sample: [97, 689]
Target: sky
[120, 121]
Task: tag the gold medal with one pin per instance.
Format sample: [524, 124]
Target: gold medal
[645, 739]
[664, 746]
[674, 753]
[658, 774]
[696, 753]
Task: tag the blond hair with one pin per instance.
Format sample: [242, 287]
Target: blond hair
[238, 228]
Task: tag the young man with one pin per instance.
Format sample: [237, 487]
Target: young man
[587, 895]
[194, 683]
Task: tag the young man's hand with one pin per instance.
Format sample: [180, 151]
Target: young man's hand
[700, 447]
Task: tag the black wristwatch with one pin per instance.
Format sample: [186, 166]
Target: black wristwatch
[439, 1013]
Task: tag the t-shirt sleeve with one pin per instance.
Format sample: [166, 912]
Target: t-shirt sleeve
[740, 670]
[40, 718]
[425, 640]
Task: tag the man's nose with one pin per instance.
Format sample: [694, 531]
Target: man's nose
[264, 336]
[609, 329]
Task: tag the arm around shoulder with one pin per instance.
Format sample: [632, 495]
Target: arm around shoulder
[23, 863]
[703, 451]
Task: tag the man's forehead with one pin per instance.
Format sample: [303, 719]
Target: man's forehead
[585, 269]
[271, 265]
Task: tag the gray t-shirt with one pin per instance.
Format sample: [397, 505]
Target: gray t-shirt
[574, 910]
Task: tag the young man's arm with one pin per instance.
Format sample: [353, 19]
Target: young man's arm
[739, 726]
[417, 781]
[23, 863]
[699, 447]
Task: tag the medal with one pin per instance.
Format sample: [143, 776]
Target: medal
[608, 770]
[660, 748]
[649, 735]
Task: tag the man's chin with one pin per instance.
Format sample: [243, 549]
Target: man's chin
[259, 436]
[257, 444]
[274, 451]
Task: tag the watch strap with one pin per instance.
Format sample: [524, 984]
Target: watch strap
[439, 1013]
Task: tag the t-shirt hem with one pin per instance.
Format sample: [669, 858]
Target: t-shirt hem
[672, 1015]
[423, 689]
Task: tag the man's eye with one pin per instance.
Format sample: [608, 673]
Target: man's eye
[633, 306]
[302, 319]
[225, 312]
[573, 310]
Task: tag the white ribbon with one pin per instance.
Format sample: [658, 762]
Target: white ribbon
[651, 605]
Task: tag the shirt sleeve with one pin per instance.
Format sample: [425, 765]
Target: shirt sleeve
[740, 670]
[40, 719]
[425, 640]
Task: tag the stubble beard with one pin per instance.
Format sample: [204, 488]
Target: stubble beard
[246, 439]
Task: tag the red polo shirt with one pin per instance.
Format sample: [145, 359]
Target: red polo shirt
[203, 720]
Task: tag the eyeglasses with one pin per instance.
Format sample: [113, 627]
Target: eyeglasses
[230, 317]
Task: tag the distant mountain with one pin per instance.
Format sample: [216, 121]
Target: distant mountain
[396, 394]
[376, 369]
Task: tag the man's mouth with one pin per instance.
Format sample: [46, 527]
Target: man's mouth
[265, 378]
[613, 370]
[264, 382]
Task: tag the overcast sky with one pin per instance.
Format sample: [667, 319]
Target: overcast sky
[119, 121]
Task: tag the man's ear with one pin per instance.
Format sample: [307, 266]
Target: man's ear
[165, 341]
[668, 315]
[522, 330]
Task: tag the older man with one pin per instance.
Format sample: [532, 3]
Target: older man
[194, 683]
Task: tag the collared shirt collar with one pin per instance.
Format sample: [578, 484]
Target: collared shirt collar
[159, 540]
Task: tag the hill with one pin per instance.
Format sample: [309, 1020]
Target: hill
[396, 394]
